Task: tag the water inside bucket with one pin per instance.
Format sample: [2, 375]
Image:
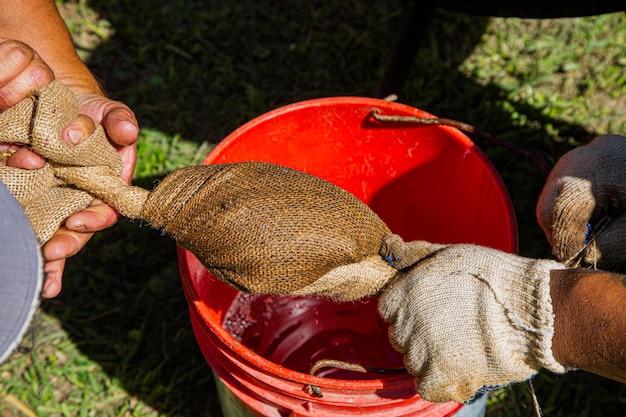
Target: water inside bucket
[399, 171]
[295, 332]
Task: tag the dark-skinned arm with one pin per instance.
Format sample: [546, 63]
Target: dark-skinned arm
[590, 321]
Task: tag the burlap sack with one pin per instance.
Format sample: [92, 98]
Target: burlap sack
[261, 227]
[270, 229]
[37, 122]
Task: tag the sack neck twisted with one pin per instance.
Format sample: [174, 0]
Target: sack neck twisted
[261, 227]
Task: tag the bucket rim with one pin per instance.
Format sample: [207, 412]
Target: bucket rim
[266, 366]
[335, 100]
[187, 259]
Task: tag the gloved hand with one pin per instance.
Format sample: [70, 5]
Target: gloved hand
[581, 208]
[469, 319]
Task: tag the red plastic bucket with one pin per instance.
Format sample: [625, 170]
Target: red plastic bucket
[425, 182]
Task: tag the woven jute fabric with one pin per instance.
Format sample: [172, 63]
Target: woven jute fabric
[267, 228]
[37, 122]
[260, 227]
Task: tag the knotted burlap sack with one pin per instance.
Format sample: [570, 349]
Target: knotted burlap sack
[37, 122]
[261, 227]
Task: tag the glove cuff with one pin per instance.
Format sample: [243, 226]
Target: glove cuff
[526, 329]
[545, 318]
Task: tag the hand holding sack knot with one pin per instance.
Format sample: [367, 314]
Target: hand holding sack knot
[582, 206]
[36, 123]
[469, 319]
[260, 227]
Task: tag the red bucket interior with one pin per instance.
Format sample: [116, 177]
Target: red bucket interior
[425, 182]
[296, 332]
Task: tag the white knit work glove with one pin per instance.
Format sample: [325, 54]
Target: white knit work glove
[581, 208]
[469, 319]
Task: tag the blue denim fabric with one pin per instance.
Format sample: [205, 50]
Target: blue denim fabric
[477, 408]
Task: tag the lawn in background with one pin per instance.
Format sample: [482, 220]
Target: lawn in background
[117, 341]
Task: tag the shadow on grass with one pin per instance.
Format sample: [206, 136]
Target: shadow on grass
[203, 68]
[123, 304]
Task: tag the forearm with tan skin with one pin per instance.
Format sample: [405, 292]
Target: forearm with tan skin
[38, 24]
[31, 55]
[590, 321]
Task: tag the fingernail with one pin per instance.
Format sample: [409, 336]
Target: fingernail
[75, 223]
[77, 226]
[48, 288]
[74, 137]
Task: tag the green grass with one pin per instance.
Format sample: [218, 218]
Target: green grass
[118, 342]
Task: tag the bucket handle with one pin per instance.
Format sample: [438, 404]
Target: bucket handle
[539, 159]
[346, 366]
